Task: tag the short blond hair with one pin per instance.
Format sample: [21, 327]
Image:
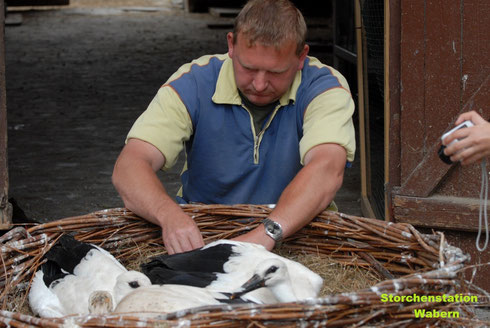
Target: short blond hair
[271, 23]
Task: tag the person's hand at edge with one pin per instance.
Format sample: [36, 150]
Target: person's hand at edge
[473, 143]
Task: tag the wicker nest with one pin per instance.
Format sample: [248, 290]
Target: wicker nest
[411, 263]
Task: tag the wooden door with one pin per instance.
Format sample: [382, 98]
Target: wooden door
[443, 70]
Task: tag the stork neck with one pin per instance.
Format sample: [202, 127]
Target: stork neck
[121, 290]
[284, 293]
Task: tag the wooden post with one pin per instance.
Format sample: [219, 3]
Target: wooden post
[366, 208]
[387, 106]
[392, 102]
[5, 207]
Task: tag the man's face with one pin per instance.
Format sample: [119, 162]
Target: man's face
[264, 73]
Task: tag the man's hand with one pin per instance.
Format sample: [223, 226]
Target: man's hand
[181, 234]
[142, 192]
[474, 142]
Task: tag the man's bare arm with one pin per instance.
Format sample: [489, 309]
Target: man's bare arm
[309, 193]
[142, 192]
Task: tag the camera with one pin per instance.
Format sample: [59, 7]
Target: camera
[444, 157]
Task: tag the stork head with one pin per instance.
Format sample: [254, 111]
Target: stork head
[128, 282]
[268, 273]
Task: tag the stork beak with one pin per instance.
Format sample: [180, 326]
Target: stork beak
[254, 283]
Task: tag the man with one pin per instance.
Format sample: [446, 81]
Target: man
[264, 123]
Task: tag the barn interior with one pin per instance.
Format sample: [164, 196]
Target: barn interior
[78, 75]
[79, 72]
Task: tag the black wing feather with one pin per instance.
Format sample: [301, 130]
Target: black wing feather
[68, 252]
[194, 268]
[51, 272]
[237, 300]
[162, 276]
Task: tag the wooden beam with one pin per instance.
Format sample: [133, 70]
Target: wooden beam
[441, 212]
[224, 12]
[361, 100]
[392, 97]
[386, 94]
[366, 208]
[424, 179]
[345, 54]
[18, 3]
[5, 207]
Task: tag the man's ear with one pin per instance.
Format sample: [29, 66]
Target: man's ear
[302, 56]
[229, 39]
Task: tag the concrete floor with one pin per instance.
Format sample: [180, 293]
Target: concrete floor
[77, 78]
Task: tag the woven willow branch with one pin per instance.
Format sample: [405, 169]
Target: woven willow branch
[392, 250]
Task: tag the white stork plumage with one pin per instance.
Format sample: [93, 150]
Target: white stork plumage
[274, 275]
[72, 272]
[157, 299]
[224, 265]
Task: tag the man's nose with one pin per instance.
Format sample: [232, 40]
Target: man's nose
[260, 81]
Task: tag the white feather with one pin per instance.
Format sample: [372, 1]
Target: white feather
[238, 269]
[167, 298]
[156, 299]
[278, 280]
[42, 300]
[97, 271]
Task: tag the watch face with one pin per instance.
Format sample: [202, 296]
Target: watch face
[273, 228]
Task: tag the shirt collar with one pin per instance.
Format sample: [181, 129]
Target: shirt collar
[227, 92]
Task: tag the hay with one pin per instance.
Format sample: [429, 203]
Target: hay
[337, 277]
[409, 262]
[17, 301]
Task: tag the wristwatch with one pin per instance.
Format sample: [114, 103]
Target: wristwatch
[272, 229]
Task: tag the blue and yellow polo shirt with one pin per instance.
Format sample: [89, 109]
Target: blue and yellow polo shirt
[199, 109]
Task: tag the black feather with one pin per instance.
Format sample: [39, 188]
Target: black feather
[228, 300]
[51, 272]
[161, 276]
[197, 268]
[68, 252]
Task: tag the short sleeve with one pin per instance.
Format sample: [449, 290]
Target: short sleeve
[328, 119]
[165, 124]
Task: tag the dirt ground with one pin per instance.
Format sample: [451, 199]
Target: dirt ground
[77, 78]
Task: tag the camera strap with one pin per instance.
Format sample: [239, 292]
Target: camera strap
[483, 206]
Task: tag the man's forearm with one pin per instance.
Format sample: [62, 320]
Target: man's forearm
[309, 193]
[142, 191]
